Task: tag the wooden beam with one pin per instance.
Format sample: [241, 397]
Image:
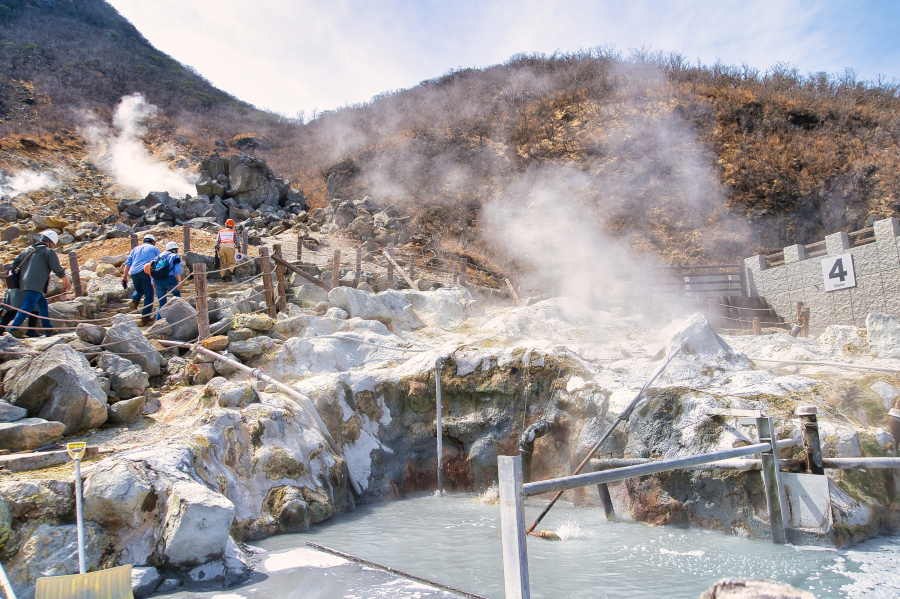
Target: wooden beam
[305, 275]
[400, 270]
[512, 292]
[512, 528]
[22, 462]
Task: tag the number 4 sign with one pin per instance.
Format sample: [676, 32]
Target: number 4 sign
[838, 272]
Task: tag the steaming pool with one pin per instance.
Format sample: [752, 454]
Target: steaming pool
[455, 540]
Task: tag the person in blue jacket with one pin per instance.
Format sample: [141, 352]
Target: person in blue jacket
[170, 286]
[143, 286]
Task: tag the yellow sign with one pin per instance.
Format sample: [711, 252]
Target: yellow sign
[76, 450]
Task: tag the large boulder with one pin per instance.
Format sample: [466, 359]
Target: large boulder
[246, 350]
[125, 338]
[883, 335]
[29, 433]
[361, 304]
[115, 492]
[60, 385]
[250, 183]
[181, 317]
[11, 413]
[109, 289]
[126, 411]
[198, 522]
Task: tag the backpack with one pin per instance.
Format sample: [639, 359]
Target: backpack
[159, 268]
[14, 274]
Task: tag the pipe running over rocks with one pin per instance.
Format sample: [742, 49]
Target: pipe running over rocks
[526, 445]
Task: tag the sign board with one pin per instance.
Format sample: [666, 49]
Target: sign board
[838, 272]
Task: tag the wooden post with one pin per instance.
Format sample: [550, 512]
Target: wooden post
[745, 292]
[757, 328]
[462, 271]
[809, 427]
[390, 265]
[512, 292]
[336, 270]
[455, 274]
[302, 273]
[772, 479]
[201, 295]
[76, 274]
[187, 240]
[299, 249]
[358, 266]
[245, 241]
[512, 528]
[279, 278]
[412, 267]
[268, 289]
[804, 322]
[134, 241]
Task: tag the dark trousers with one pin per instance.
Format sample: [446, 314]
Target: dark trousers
[33, 299]
[143, 287]
[8, 318]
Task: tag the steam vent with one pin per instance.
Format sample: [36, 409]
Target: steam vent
[581, 324]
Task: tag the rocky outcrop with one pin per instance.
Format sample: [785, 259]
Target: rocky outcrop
[126, 339]
[179, 315]
[197, 524]
[61, 386]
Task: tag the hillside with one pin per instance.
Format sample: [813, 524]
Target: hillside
[540, 163]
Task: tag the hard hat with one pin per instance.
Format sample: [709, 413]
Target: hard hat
[171, 246]
[148, 236]
[229, 223]
[51, 235]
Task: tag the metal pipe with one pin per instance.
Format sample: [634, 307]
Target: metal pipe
[526, 445]
[732, 464]
[626, 413]
[822, 363]
[440, 428]
[609, 476]
[305, 404]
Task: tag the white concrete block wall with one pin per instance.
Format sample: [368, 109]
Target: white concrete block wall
[877, 267]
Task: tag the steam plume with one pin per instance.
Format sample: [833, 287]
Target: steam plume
[25, 181]
[122, 153]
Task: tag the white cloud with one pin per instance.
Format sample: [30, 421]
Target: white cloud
[288, 55]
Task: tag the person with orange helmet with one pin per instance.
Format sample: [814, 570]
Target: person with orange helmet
[226, 246]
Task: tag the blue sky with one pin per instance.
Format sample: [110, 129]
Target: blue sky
[292, 55]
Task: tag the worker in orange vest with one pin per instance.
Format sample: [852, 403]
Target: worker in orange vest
[225, 249]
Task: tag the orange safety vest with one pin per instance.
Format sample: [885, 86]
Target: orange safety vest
[226, 236]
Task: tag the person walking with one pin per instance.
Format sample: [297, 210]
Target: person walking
[35, 265]
[165, 272]
[225, 250]
[143, 286]
[14, 298]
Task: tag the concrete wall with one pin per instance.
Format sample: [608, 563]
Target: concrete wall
[877, 267]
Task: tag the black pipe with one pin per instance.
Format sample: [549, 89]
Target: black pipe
[526, 445]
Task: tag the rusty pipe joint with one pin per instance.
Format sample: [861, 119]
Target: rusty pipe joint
[526, 445]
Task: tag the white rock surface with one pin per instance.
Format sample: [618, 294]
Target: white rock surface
[198, 522]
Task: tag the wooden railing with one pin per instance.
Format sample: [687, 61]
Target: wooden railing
[814, 250]
[693, 280]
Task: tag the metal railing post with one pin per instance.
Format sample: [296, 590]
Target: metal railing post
[512, 527]
[440, 427]
[772, 479]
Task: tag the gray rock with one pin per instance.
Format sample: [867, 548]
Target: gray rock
[109, 289]
[123, 374]
[245, 350]
[236, 395]
[60, 385]
[152, 406]
[176, 365]
[754, 589]
[92, 334]
[52, 550]
[125, 338]
[240, 335]
[336, 312]
[10, 233]
[115, 492]
[29, 433]
[126, 411]
[9, 212]
[144, 581]
[116, 261]
[11, 413]
[181, 317]
[90, 352]
[361, 304]
[198, 522]
[225, 368]
[168, 585]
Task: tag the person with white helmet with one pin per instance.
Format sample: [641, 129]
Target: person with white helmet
[139, 257]
[165, 272]
[34, 266]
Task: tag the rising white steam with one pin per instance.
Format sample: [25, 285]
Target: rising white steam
[123, 155]
[25, 181]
